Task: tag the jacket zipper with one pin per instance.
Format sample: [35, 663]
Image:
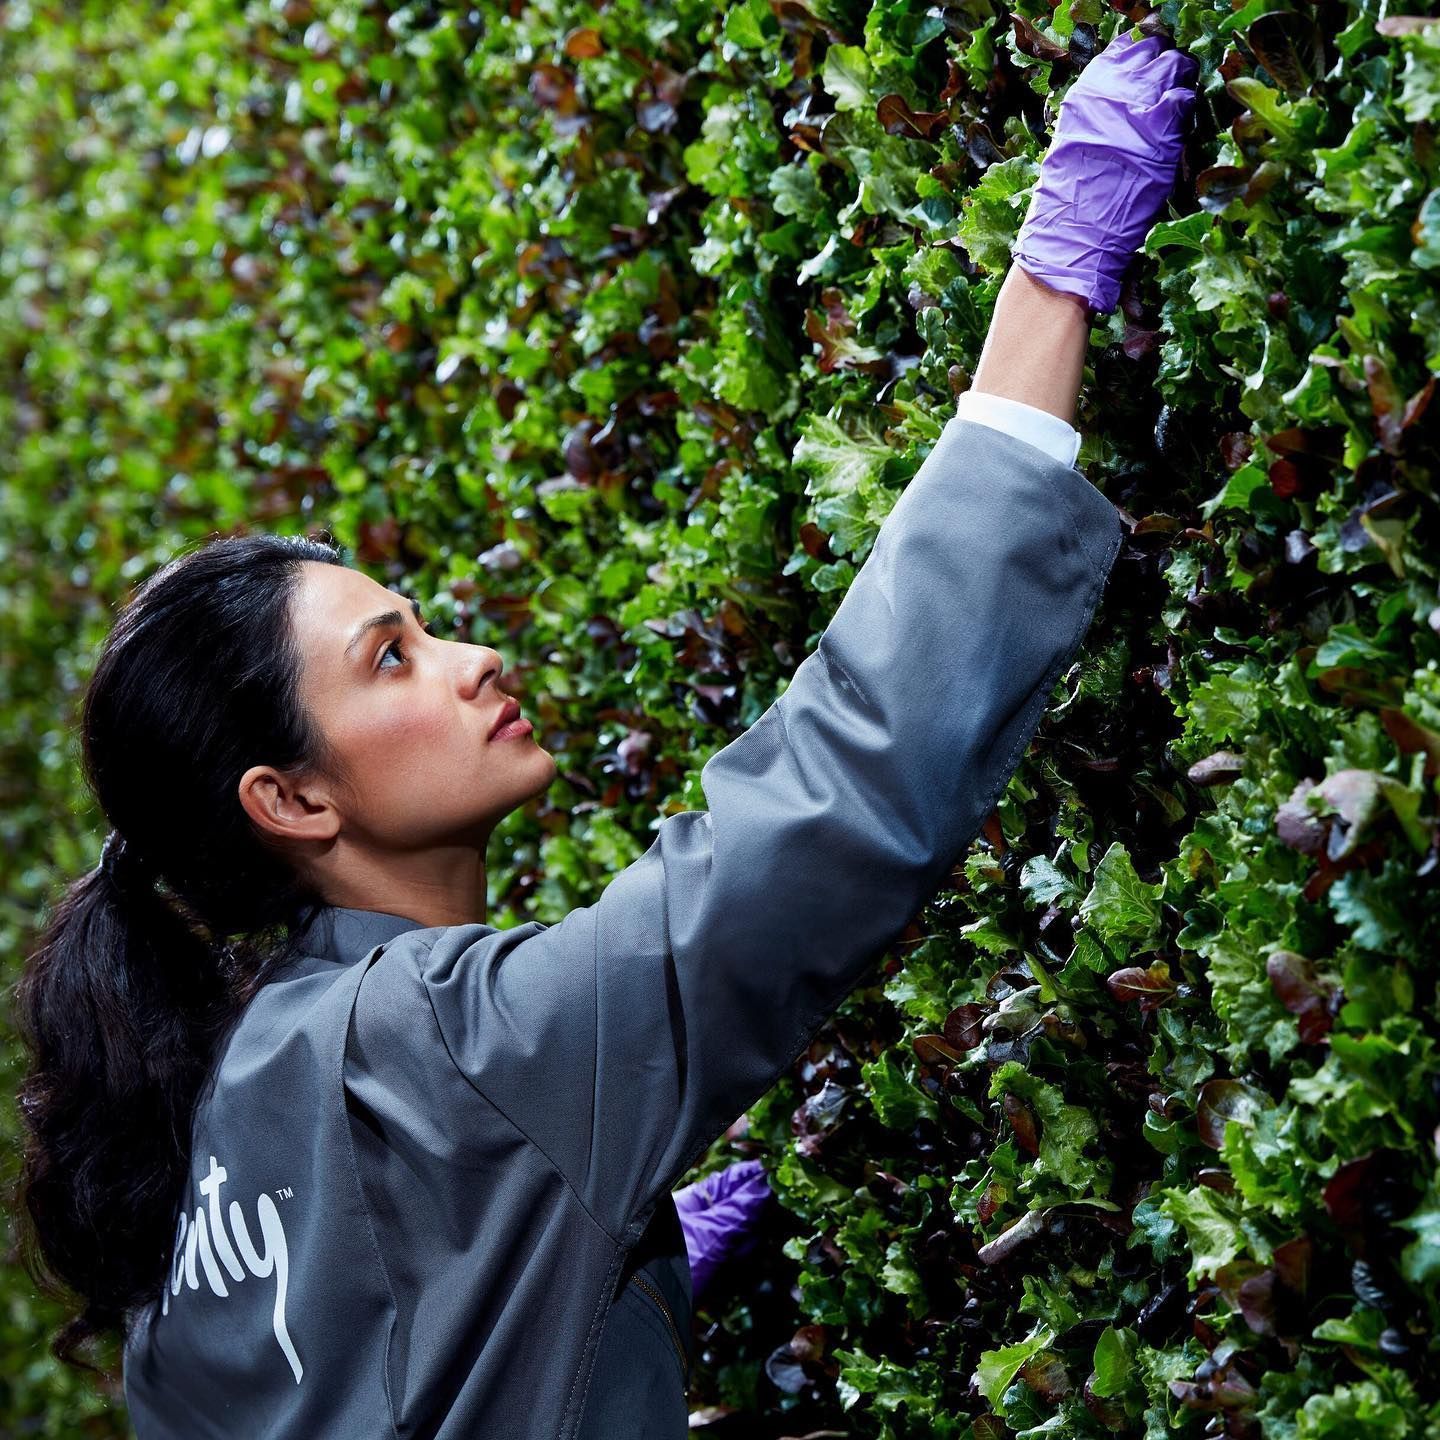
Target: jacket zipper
[640, 1280]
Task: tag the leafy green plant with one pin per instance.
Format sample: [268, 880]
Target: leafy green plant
[612, 333]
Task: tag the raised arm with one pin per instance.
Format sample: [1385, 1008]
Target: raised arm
[624, 1039]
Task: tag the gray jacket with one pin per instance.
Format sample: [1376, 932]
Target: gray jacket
[430, 1188]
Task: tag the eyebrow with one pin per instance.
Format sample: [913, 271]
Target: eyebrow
[381, 622]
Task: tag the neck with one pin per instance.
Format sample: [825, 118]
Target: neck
[443, 886]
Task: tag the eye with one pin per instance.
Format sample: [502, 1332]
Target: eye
[394, 647]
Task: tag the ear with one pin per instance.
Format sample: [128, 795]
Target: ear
[288, 807]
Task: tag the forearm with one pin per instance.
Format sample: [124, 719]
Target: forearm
[1034, 351]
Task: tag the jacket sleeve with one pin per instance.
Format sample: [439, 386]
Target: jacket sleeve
[623, 1039]
[1050, 433]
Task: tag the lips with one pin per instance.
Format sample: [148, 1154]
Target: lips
[509, 713]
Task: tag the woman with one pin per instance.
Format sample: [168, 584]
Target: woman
[341, 1159]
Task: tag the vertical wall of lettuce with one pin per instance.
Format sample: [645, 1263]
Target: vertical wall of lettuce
[612, 334]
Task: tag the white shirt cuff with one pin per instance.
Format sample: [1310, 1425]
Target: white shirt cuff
[1047, 432]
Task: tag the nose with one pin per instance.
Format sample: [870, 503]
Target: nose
[483, 664]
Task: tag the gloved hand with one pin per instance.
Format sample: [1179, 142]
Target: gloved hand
[718, 1215]
[1109, 169]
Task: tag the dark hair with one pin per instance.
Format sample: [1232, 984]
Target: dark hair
[149, 958]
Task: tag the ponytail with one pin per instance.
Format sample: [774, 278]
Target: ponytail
[120, 1009]
[149, 959]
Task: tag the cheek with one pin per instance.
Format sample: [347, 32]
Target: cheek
[403, 732]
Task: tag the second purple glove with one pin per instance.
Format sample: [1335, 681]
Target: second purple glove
[718, 1215]
[1110, 167]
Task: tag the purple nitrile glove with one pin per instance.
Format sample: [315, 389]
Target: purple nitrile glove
[718, 1215]
[1109, 169]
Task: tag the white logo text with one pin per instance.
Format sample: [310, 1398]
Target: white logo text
[203, 1235]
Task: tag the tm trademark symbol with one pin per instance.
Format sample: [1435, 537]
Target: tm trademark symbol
[285, 1193]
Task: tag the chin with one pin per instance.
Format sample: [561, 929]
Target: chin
[547, 771]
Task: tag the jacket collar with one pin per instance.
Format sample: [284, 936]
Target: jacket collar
[346, 935]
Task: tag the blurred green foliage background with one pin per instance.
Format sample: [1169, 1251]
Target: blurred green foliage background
[612, 333]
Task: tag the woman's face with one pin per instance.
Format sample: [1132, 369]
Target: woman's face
[410, 716]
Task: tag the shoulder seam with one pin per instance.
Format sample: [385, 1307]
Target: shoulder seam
[363, 967]
[519, 1129]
